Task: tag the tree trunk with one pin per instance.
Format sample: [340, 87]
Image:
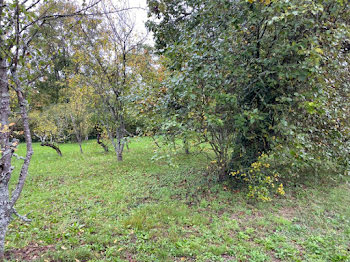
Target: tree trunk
[155, 141]
[77, 133]
[100, 142]
[22, 102]
[6, 153]
[5, 211]
[120, 143]
[81, 149]
[53, 146]
[120, 156]
[186, 146]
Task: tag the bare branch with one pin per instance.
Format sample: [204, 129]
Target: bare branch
[24, 114]
[32, 5]
[24, 218]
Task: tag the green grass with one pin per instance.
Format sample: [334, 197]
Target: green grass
[92, 208]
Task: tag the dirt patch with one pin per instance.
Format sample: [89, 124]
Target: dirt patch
[243, 216]
[228, 258]
[28, 253]
[288, 212]
[129, 256]
[272, 256]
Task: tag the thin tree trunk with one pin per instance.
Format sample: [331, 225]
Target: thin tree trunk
[77, 133]
[100, 142]
[7, 149]
[28, 139]
[81, 149]
[186, 146]
[120, 143]
[155, 141]
[115, 145]
[6, 155]
[119, 156]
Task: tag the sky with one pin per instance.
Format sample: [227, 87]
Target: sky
[140, 16]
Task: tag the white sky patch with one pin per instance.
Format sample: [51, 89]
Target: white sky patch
[140, 16]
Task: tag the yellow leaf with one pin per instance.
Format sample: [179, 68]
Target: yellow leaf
[319, 50]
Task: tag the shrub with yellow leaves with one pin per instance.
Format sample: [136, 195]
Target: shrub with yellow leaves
[262, 180]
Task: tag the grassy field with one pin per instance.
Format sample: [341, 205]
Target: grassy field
[92, 208]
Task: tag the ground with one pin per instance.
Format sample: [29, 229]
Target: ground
[91, 208]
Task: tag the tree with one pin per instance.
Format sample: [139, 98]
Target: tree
[51, 126]
[45, 129]
[148, 93]
[19, 23]
[108, 43]
[79, 108]
[250, 74]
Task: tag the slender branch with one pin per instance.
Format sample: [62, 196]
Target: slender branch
[24, 218]
[24, 114]
[32, 5]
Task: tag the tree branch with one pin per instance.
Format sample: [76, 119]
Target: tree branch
[24, 218]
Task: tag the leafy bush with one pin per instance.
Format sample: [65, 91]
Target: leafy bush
[254, 77]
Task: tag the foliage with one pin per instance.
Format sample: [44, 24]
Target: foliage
[79, 108]
[253, 77]
[107, 46]
[52, 123]
[263, 183]
[147, 94]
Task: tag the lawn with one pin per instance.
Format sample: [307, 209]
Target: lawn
[91, 208]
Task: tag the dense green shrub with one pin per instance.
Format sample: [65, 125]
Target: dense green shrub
[259, 77]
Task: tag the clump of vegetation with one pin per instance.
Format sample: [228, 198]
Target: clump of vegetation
[254, 77]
